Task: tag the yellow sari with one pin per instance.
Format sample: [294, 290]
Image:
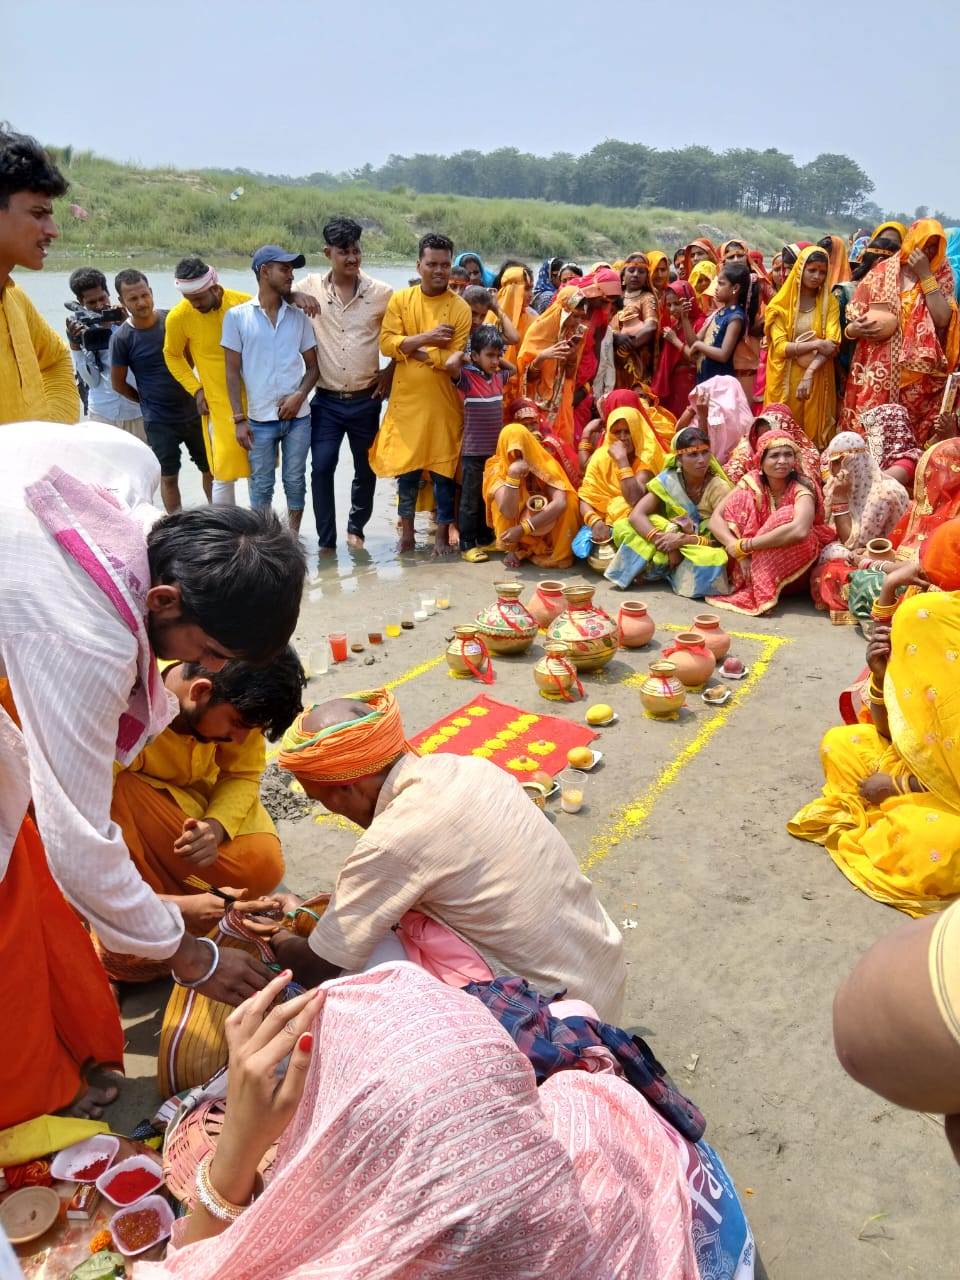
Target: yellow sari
[548, 550]
[817, 415]
[601, 483]
[701, 277]
[906, 850]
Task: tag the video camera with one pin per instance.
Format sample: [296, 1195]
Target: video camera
[95, 325]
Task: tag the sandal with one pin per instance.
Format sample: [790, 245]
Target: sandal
[476, 555]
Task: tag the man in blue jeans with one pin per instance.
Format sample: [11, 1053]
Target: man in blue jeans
[352, 386]
[269, 344]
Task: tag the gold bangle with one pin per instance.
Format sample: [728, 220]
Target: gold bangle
[591, 519]
[883, 611]
[625, 473]
[526, 526]
[511, 483]
[213, 1201]
[929, 285]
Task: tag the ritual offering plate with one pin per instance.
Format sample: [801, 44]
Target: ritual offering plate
[597, 757]
[29, 1212]
[716, 696]
[603, 724]
[130, 1180]
[732, 669]
[142, 1225]
[85, 1161]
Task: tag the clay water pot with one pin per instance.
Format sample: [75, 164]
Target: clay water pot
[555, 675]
[601, 553]
[590, 634]
[880, 549]
[467, 654]
[662, 693]
[636, 625]
[507, 626]
[694, 662]
[707, 625]
[547, 602]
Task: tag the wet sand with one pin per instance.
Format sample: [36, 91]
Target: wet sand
[741, 933]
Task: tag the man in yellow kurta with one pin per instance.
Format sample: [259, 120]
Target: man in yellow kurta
[194, 356]
[189, 803]
[36, 372]
[423, 425]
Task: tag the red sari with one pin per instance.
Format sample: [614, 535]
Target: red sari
[676, 377]
[749, 511]
[911, 366]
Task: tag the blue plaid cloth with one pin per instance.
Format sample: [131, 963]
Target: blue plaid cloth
[555, 1044]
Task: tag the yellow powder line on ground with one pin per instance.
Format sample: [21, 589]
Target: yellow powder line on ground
[635, 813]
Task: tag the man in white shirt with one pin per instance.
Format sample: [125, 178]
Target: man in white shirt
[87, 602]
[351, 387]
[269, 345]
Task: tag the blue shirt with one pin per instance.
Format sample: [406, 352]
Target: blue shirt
[271, 362]
[94, 368]
[162, 399]
[712, 335]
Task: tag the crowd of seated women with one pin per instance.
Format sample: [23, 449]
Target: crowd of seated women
[738, 431]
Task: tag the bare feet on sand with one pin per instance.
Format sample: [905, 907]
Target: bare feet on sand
[354, 540]
[442, 545]
[408, 540]
[510, 561]
[99, 1093]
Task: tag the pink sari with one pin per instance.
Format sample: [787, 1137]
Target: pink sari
[423, 1147]
[749, 511]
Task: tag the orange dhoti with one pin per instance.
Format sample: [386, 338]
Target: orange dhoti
[57, 1002]
[151, 821]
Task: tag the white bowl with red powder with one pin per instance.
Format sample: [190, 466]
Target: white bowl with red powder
[129, 1181]
[85, 1161]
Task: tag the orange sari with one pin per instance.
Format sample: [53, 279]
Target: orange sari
[909, 368]
[553, 385]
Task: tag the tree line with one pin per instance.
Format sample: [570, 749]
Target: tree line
[630, 175]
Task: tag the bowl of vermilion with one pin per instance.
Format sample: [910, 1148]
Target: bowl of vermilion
[129, 1181]
[85, 1161]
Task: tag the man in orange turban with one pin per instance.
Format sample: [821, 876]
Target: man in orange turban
[454, 838]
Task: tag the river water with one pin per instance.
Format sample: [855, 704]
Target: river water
[49, 290]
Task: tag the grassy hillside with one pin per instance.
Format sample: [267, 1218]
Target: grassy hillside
[165, 213]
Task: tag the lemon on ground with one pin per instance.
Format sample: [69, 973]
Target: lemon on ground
[599, 712]
[579, 757]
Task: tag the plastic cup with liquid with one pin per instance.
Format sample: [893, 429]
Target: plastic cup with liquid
[573, 785]
[443, 596]
[391, 623]
[374, 631]
[318, 658]
[338, 645]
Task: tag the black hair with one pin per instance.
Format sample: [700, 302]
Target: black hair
[476, 293]
[788, 258]
[459, 272]
[268, 698]
[571, 266]
[555, 265]
[794, 474]
[25, 166]
[690, 436]
[432, 240]
[680, 253]
[85, 278]
[240, 575]
[818, 254]
[887, 247]
[741, 277]
[512, 262]
[341, 232]
[825, 242]
[487, 335]
[129, 275]
[190, 269]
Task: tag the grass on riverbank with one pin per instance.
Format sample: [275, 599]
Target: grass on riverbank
[169, 213]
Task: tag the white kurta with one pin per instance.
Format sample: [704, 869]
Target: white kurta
[71, 663]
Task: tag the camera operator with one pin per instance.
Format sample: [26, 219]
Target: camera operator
[90, 336]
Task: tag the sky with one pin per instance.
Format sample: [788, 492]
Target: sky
[295, 87]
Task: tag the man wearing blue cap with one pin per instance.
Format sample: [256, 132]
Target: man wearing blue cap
[270, 346]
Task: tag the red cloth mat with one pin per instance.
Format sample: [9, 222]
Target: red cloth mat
[519, 741]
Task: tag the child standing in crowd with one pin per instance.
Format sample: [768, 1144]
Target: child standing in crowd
[728, 324]
[480, 379]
